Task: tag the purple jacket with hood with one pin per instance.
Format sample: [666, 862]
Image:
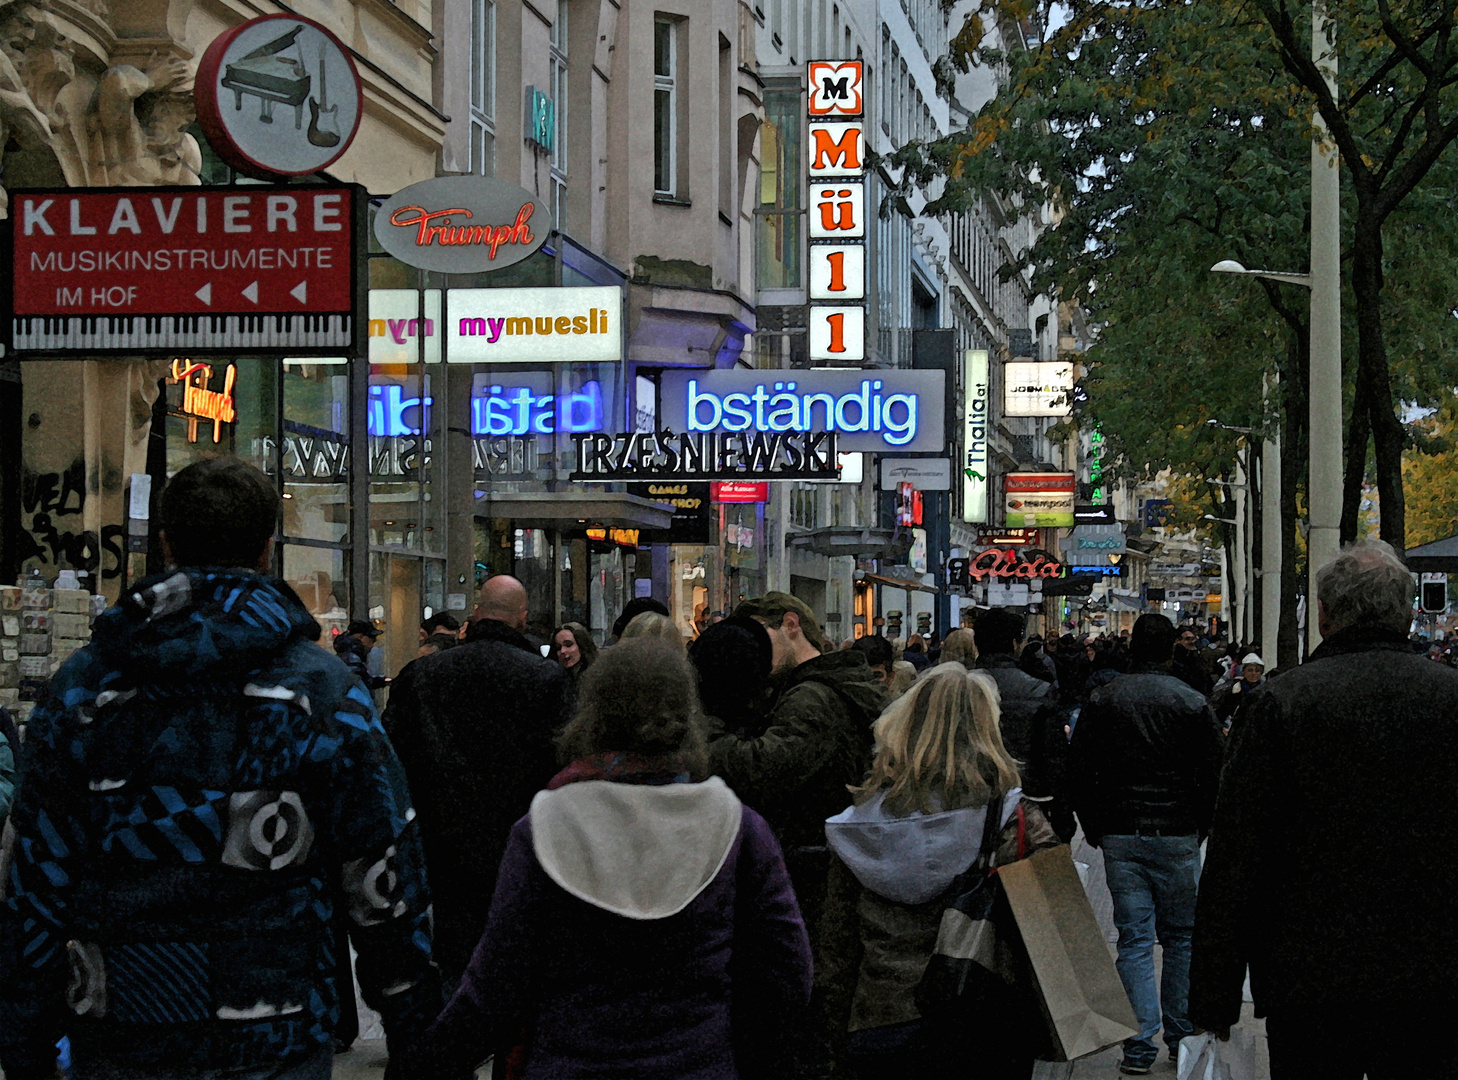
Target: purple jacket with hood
[637, 931]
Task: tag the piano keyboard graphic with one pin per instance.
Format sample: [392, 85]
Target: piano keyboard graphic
[121, 332]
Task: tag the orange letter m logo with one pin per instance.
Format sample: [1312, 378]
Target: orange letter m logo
[827, 152]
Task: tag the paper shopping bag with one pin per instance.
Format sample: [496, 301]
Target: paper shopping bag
[1076, 984]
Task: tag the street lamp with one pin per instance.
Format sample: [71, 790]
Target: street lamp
[1324, 479]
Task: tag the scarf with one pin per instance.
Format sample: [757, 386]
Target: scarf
[624, 767]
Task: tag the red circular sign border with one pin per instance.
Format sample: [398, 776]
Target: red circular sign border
[209, 114]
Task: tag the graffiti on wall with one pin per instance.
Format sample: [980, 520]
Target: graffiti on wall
[51, 503]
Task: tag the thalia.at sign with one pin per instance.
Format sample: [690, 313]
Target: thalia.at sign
[663, 455]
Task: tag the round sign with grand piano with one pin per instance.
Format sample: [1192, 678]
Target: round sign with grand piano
[278, 96]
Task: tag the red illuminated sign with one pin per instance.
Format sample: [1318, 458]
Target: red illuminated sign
[186, 269]
[1002, 563]
[729, 491]
[462, 224]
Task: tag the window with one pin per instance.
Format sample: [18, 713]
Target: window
[558, 63]
[665, 107]
[483, 86]
[781, 188]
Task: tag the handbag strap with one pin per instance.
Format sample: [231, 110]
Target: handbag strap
[991, 830]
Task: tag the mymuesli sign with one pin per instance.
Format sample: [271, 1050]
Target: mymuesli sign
[462, 224]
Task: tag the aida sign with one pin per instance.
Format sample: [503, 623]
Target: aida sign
[837, 228]
[462, 224]
[891, 409]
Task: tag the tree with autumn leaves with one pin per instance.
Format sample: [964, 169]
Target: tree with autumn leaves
[1167, 136]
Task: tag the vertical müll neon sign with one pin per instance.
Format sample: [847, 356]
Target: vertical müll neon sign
[837, 144]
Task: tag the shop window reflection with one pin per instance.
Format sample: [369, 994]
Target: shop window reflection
[315, 451]
[320, 576]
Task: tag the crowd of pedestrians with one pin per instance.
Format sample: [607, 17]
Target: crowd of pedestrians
[701, 860]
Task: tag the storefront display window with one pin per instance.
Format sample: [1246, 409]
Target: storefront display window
[315, 450]
[320, 576]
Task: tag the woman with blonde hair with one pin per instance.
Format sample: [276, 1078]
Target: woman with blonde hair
[960, 647]
[917, 823]
[650, 624]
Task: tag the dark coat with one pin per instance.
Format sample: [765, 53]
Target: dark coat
[1146, 754]
[817, 742]
[1330, 869]
[1187, 666]
[1032, 731]
[474, 727]
[603, 996]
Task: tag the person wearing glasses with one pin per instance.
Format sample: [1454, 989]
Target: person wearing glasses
[1185, 663]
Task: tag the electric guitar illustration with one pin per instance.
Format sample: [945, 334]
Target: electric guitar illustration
[323, 117]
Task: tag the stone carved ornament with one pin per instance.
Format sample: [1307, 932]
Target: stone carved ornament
[81, 107]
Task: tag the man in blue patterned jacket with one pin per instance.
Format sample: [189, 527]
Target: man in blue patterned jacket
[200, 789]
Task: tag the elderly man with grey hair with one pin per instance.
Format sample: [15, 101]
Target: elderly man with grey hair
[1331, 867]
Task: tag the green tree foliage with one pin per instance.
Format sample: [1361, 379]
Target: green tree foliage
[1168, 135]
[1430, 475]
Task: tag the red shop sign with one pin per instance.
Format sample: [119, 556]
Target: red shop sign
[1002, 563]
[733, 491]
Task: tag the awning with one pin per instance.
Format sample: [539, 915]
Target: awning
[866, 543]
[567, 509]
[1439, 557]
[899, 583]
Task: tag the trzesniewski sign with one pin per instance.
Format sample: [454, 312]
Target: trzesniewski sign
[530, 326]
[665, 456]
[167, 270]
[883, 410]
[462, 224]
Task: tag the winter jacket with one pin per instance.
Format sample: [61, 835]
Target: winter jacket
[637, 932]
[356, 657]
[473, 727]
[1032, 731]
[1188, 666]
[1145, 756]
[1330, 869]
[887, 894]
[9, 758]
[202, 785]
[818, 741]
[1231, 700]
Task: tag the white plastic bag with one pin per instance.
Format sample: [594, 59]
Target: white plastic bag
[1204, 1057]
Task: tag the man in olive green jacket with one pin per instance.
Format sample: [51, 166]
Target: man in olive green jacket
[816, 741]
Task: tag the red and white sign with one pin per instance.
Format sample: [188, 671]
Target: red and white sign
[462, 224]
[152, 259]
[835, 88]
[258, 83]
[837, 149]
[838, 210]
[837, 333]
[1036, 500]
[734, 491]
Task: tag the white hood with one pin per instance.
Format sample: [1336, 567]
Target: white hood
[909, 859]
[638, 850]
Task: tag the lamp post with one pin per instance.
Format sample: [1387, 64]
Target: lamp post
[1248, 483]
[1324, 476]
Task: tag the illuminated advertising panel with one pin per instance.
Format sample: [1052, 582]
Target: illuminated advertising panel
[974, 436]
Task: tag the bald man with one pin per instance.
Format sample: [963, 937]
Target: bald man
[473, 727]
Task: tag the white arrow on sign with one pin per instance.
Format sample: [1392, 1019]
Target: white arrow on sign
[205, 294]
[300, 292]
[251, 292]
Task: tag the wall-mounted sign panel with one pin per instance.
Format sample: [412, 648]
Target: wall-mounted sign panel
[403, 329]
[666, 457]
[533, 326]
[837, 271]
[892, 409]
[462, 224]
[257, 83]
[1037, 389]
[838, 210]
[690, 502]
[733, 491]
[1004, 563]
[837, 149]
[974, 436]
[836, 88]
[925, 474]
[837, 333]
[514, 403]
[1037, 500]
[163, 270]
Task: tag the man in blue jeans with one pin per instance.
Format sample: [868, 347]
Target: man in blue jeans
[1144, 767]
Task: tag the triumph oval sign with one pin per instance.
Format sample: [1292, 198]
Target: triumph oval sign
[462, 224]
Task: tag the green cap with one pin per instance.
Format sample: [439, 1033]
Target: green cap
[773, 605]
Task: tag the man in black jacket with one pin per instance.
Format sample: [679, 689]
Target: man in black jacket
[473, 727]
[1145, 764]
[1330, 871]
[1032, 720]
